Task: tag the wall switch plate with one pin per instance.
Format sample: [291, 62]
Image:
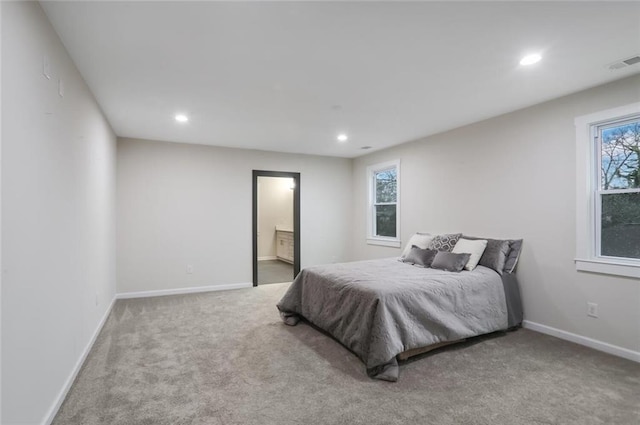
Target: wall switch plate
[189, 268]
[60, 88]
[592, 309]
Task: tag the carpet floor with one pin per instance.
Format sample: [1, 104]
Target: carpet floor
[226, 358]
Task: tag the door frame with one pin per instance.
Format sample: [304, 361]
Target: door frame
[296, 218]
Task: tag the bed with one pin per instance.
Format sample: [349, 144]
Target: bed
[385, 310]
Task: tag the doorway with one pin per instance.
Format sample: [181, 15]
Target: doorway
[276, 226]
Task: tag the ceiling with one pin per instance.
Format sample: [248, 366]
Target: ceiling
[291, 76]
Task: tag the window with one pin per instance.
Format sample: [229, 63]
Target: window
[384, 199]
[618, 197]
[608, 232]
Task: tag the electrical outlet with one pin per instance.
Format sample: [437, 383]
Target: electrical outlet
[592, 309]
[189, 268]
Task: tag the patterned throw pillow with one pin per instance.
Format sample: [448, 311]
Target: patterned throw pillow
[445, 242]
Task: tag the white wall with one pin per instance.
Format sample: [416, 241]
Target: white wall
[0, 214]
[514, 177]
[181, 204]
[58, 216]
[275, 208]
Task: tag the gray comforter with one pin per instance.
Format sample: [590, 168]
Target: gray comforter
[380, 308]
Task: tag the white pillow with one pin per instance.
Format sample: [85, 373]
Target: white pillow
[421, 240]
[475, 248]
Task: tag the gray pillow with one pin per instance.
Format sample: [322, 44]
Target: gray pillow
[449, 261]
[419, 256]
[515, 247]
[495, 254]
[444, 242]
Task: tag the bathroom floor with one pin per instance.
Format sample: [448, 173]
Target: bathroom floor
[274, 271]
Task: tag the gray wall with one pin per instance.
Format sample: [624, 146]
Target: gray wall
[514, 177]
[182, 204]
[58, 216]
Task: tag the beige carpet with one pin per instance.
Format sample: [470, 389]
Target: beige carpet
[226, 358]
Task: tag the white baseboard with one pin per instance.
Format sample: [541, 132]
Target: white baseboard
[179, 291]
[72, 377]
[267, 258]
[583, 340]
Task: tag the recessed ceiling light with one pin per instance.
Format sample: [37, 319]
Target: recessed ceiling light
[530, 59]
[182, 118]
[342, 137]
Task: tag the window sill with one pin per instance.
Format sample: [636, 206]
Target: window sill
[612, 267]
[394, 243]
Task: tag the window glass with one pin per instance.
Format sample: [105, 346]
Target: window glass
[386, 186]
[386, 220]
[619, 194]
[383, 219]
[620, 225]
[608, 191]
[620, 153]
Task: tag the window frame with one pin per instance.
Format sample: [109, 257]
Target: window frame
[589, 193]
[372, 238]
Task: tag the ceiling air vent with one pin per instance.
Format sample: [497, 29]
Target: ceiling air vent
[632, 61]
[625, 63]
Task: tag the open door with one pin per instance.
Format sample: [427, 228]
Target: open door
[282, 239]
